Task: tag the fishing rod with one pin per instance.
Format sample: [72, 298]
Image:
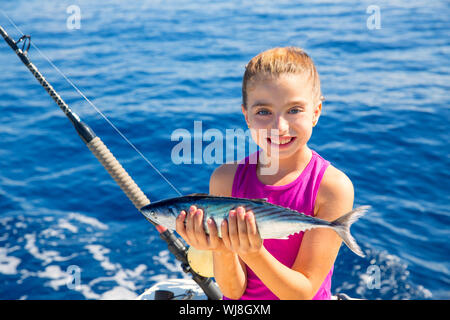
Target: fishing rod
[112, 165]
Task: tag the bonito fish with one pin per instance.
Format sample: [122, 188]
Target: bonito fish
[273, 221]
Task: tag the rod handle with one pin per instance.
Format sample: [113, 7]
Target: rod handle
[118, 173]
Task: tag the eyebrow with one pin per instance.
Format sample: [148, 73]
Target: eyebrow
[267, 104]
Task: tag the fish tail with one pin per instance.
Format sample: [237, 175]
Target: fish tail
[342, 227]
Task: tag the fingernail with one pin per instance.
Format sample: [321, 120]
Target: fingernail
[209, 221]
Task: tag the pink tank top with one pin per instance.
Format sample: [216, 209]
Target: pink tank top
[298, 195]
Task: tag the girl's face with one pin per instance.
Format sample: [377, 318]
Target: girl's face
[281, 113]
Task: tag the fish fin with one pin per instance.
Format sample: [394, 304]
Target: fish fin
[198, 194]
[342, 227]
[260, 199]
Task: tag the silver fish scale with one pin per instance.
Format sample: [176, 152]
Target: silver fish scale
[273, 221]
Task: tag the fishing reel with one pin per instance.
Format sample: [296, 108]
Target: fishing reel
[117, 172]
[201, 261]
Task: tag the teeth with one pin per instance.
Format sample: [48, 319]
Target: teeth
[281, 141]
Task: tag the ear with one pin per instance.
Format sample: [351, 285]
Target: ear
[244, 111]
[316, 113]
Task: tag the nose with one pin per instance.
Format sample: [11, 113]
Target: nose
[281, 124]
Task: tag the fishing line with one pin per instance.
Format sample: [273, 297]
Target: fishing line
[107, 159]
[92, 104]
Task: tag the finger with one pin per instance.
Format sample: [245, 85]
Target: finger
[242, 228]
[179, 222]
[213, 239]
[225, 235]
[181, 227]
[232, 230]
[200, 234]
[192, 210]
[252, 230]
[190, 223]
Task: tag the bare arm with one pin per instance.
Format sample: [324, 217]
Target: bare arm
[229, 270]
[318, 250]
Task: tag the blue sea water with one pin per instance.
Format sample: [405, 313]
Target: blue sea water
[153, 67]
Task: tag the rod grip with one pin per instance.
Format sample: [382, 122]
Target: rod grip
[118, 173]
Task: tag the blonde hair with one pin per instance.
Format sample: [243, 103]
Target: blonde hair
[277, 61]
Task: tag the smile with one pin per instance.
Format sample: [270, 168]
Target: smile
[281, 142]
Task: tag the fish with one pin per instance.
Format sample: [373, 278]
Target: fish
[272, 221]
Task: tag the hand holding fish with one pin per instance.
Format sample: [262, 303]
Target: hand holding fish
[240, 233]
[190, 228]
[274, 222]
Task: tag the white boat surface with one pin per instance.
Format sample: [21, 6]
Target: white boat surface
[187, 289]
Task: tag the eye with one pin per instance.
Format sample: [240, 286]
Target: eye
[295, 110]
[263, 112]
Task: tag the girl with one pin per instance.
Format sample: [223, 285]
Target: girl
[281, 97]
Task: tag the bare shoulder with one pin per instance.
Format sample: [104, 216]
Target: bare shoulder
[335, 195]
[221, 181]
[335, 181]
